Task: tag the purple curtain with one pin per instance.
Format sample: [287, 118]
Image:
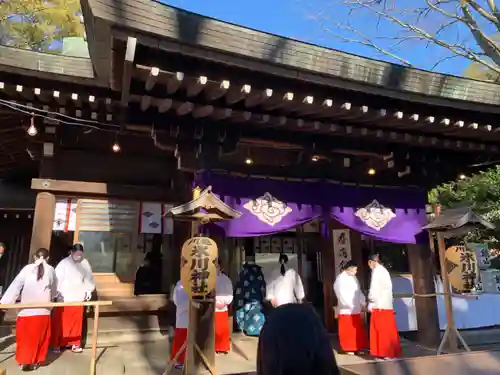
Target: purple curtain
[270, 206]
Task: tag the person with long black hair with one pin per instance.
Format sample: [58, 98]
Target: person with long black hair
[285, 285]
[294, 341]
[36, 283]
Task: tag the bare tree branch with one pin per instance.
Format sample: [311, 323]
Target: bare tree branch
[461, 28]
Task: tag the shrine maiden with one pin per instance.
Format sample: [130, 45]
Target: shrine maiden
[351, 301]
[75, 284]
[223, 298]
[181, 301]
[36, 283]
[285, 285]
[384, 335]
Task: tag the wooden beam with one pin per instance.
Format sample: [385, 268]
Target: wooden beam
[45, 207]
[100, 189]
[128, 66]
[151, 80]
[320, 128]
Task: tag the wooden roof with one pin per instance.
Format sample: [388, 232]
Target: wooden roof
[171, 29]
[208, 94]
[48, 66]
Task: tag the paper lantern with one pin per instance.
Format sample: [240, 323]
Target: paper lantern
[198, 270]
[462, 269]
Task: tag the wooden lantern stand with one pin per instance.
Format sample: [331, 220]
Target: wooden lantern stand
[452, 223]
[205, 208]
[451, 333]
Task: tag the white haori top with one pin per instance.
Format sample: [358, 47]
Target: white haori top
[380, 294]
[223, 292]
[74, 279]
[349, 295]
[31, 289]
[181, 301]
[286, 288]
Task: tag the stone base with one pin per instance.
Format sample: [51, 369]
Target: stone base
[473, 363]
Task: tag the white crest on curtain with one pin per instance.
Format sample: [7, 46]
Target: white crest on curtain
[375, 215]
[268, 209]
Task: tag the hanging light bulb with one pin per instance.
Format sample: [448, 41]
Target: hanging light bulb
[116, 147]
[371, 171]
[32, 130]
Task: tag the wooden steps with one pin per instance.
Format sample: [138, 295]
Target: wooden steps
[147, 303]
[109, 285]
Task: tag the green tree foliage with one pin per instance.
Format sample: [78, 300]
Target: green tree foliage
[36, 24]
[481, 72]
[481, 192]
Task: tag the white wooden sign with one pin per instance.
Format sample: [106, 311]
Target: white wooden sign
[482, 254]
[341, 248]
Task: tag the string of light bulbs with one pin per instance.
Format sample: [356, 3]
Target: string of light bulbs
[34, 112]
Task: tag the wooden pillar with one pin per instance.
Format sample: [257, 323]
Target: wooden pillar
[233, 268]
[448, 301]
[42, 222]
[357, 257]
[300, 256]
[420, 258]
[328, 273]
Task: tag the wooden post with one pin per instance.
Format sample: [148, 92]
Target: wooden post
[420, 261]
[95, 331]
[42, 222]
[357, 257]
[448, 302]
[327, 271]
[201, 328]
[300, 254]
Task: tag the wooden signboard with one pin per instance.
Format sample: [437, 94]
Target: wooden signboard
[198, 271]
[341, 249]
[462, 268]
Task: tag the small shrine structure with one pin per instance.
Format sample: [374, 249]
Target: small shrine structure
[454, 223]
[199, 258]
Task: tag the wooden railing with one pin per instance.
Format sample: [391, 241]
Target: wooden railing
[96, 304]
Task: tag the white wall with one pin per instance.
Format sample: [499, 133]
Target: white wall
[269, 262]
[469, 312]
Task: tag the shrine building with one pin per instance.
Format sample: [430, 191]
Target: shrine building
[328, 156]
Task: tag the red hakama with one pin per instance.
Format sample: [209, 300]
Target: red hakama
[222, 333]
[352, 335]
[32, 339]
[67, 325]
[180, 338]
[384, 335]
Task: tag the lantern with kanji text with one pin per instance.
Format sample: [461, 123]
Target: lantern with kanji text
[462, 268]
[199, 270]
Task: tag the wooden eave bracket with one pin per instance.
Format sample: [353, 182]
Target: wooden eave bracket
[128, 67]
[207, 207]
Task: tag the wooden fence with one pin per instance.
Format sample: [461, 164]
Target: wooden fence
[96, 304]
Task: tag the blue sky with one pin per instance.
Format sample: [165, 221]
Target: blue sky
[299, 20]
